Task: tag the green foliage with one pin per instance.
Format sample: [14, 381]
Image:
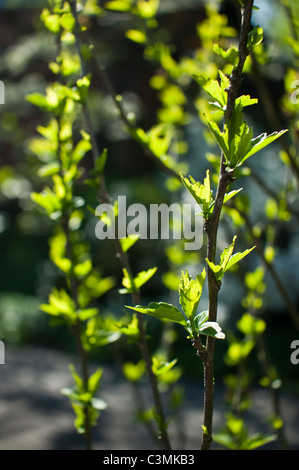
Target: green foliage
[190, 291]
[63, 148]
[237, 437]
[227, 260]
[133, 285]
[86, 405]
[237, 142]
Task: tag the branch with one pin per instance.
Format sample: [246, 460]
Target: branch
[105, 197]
[211, 226]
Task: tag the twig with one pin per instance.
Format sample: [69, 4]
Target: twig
[104, 196]
[104, 78]
[211, 227]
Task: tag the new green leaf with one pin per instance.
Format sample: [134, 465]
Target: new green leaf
[161, 310]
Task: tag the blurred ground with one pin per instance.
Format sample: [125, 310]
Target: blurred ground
[35, 416]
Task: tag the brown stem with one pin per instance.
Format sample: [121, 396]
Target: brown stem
[211, 227]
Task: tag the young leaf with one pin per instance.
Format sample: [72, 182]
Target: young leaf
[201, 325]
[94, 381]
[127, 243]
[237, 257]
[133, 285]
[211, 329]
[131, 330]
[61, 305]
[202, 193]
[161, 310]
[220, 137]
[246, 100]
[231, 194]
[87, 313]
[231, 55]
[217, 92]
[227, 260]
[136, 35]
[258, 143]
[190, 291]
[255, 37]
[119, 5]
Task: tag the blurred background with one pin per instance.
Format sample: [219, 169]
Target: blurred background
[26, 274]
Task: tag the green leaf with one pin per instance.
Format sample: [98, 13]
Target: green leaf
[52, 22]
[259, 440]
[220, 137]
[87, 313]
[83, 269]
[48, 200]
[133, 285]
[250, 325]
[50, 169]
[119, 5]
[239, 137]
[83, 85]
[77, 379]
[61, 304]
[146, 9]
[159, 139]
[211, 329]
[131, 329]
[190, 291]
[202, 326]
[214, 89]
[161, 310]
[202, 193]
[82, 147]
[200, 318]
[227, 260]
[255, 37]
[136, 35]
[260, 142]
[231, 55]
[160, 367]
[67, 21]
[127, 243]
[134, 372]
[39, 100]
[237, 257]
[94, 381]
[245, 100]
[231, 194]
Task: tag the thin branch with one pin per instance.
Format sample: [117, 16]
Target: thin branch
[104, 78]
[211, 226]
[104, 196]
